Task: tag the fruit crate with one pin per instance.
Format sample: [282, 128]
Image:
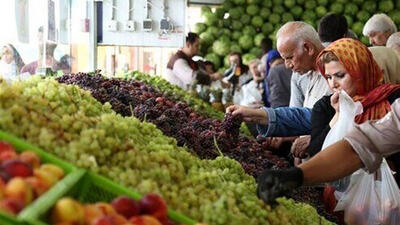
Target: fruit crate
[20, 146]
[89, 188]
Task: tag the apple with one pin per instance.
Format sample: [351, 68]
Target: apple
[48, 178]
[55, 170]
[68, 210]
[7, 155]
[92, 213]
[5, 146]
[126, 206]
[31, 158]
[106, 208]
[16, 168]
[38, 186]
[10, 205]
[144, 220]
[18, 188]
[152, 204]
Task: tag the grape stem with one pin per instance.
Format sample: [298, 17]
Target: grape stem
[216, 146]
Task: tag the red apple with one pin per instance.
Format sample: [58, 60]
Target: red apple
[38, 186]
[31, 158]
[154, 205]
[144, 220]
[16, 168]
[4, 156]
[11, 205]
[126, 206]
[5, 146]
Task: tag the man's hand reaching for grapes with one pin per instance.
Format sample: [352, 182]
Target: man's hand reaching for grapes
[252, 115]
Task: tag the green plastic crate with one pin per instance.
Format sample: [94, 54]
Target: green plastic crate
[20, 146]
[89, 188]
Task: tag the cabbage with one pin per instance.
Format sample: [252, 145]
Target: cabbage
[274, 18]
[363, 16]
[234, 13]
[205, 9]
[206, 38]
[210, 18]
[253, 1]
[224, 32]
[351, 9]
[220, 12]
[221, 47]
[236, 48]
[245, 19]
[358, 2]
[239, 2]
[258, 38]
[257, 21]
[227, 4]
[264, 13]
[289, 3]
[297, 11]
[357, 27]
[349, 20]
[199, 28]
[321, 11]
[277, 2]
[286, 17]
[322, 2]
[267, 28]
[214, 58]
[342, 1]
[365, 40]
[252, 10]
[369, 6]
[227, 22]
[249, 30]
[309, 15]
[300, 2]
[256, 51]
[386, 6]
[213, 30]
[337, 7]
[247, 58]
[246, 41]
[278, 9]
[310, 4]
[236, 35]
[395, 16]
[267, 3]
[237, 25]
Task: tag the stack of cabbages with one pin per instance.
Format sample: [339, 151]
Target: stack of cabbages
[240, 25]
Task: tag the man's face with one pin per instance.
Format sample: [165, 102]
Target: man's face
[298, 56]
[194, 48]
[378, 38]
[234, 59]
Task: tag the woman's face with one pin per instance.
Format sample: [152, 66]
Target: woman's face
[7, 54]
[339, 79]
[234, 59]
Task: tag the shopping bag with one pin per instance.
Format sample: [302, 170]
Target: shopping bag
[348, 111]
[374, 199]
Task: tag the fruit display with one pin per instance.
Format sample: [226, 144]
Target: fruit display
[149, 210]
[240, 25]
[207, 138]
[23, 178]
[68, 122]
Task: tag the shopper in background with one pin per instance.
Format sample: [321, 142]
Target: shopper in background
[389, 63]
[182, 70]
[393, 42]
[266, 46]
[332, 27]
[65, 64]
[378, 28]
[277, 81]
[10, 63]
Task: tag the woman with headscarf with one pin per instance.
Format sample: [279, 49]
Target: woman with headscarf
[276, 81]
[11, 62]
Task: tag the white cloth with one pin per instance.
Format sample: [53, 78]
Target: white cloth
[316, 89]
[249, 95]
[181, 74]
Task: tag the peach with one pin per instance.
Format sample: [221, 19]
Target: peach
[18, 188]
[31, 158]
[126, 206]
[68, 210]
[12, 206]
[144, 220]
[92, 213]
[106, 208]
[5, 146]
[38, 186]
[55, 170]
[48, 178]
[16, 168]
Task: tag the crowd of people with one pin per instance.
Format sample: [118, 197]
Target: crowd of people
[291, 94]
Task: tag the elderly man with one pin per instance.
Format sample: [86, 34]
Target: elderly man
[393, 42]
[378, 28]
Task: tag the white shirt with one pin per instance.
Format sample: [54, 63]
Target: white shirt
[181, 74]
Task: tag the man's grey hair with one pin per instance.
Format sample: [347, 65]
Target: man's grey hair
[298, 31]
[379, 23]
[393, 41]
[255, 61]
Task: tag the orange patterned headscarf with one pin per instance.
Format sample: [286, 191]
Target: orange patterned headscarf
[365, 72]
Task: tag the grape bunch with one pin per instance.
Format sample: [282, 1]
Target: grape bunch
[206, 137]
[67, 121]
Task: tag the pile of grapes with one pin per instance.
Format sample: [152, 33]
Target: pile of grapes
[208, 138]
[68, 122]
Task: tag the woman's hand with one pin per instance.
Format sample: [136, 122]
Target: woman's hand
[251, 115]
[335, 101]
[300, 145]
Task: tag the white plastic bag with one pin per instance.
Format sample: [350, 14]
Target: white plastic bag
[373, 199]
[348, 111]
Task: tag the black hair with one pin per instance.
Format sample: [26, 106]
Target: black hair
[266, 45]
[209, 63]
[192, 37]
[332, 27]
